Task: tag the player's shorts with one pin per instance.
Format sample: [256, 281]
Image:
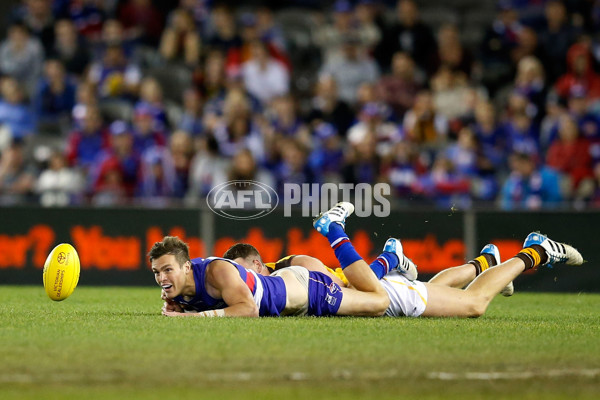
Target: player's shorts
[301, 275]
[324, 295]
[407, 298]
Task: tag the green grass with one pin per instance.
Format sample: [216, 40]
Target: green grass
[112, 343]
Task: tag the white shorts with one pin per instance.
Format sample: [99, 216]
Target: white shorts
[407, 298]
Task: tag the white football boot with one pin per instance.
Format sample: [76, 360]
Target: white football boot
[492, 250]
[557, 252]
[337, 214]
[405, 265]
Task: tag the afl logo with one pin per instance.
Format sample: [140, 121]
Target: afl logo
[61, 257]
[242, 199]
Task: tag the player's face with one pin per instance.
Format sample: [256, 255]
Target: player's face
[169, 275]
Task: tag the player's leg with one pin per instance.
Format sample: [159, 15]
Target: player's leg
[357, 271]
[461, 276]
[393, 258]
[473, 301]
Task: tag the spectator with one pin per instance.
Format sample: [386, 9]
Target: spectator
[556, 37]
[115, 76]
[200, 11]
[215, 107]
[70, 48]
[146, 134]
[570, 153]
[269, 31]
[362, 163]
[293, 167]
[158, 176]
[85, 143]
[207, 169]
[451, 53]
[326, 106]
[180, 40]
[142, 20]
[120, 159]
[521, 135]
[237, 130]
[451, 93]
[400, 87]
[423, 124]
[114, 34]
[85, 98]
[579, 109]
[327, 157]
[250, 34]
[367, 93]
[15, 114]
[530, 82]
[497, 45]
[223, 35]
[264, 77]
[489, 134]
[366, 16]
[331, 37]
[372, 125]
[191, 119]
[59, 185]
[529, 186]
[151, 102]
[181, 147]
[351, 70]
[284, 119]
[404, 169]
[21, 56]
[39, 19]
[580, 73]
[444, 185]
[244, 167]
[55, 96]
[17, 175]
[528, 46]
[213, 75]
[408, 34]
[88, 17]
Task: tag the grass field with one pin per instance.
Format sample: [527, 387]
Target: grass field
[112, 343]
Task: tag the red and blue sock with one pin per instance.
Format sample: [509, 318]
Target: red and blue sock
[384, 263]
[341, 245]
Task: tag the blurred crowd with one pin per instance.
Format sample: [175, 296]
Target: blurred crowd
[110, 102]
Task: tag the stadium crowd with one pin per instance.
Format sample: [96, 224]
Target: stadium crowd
[110, 102]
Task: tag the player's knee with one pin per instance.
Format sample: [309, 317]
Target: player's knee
[382, 305]
[477, 307]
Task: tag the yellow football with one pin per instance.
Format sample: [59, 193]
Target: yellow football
[61, 272]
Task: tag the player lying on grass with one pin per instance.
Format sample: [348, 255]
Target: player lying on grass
[460, 276]
[439, 299]
[220, 287]
[407, 297]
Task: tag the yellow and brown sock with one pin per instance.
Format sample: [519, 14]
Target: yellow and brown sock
[533, 256]
[483, 262]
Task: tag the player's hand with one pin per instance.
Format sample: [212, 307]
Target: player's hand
[170, 306]
[172, 313]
